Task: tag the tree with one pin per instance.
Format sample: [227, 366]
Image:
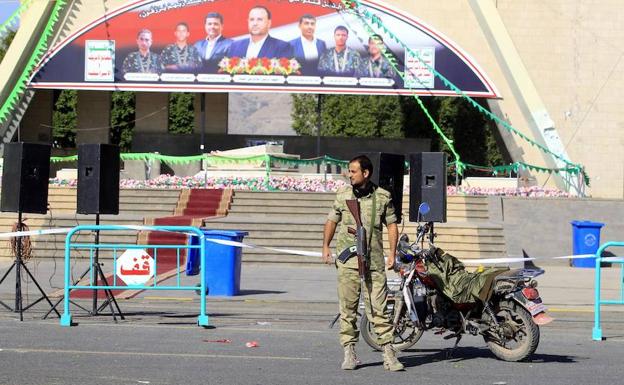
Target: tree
[181, 113]
[348, 115]
[123, 112]
[65, 119]
[396, 117]
[5, 43]
[471, 135]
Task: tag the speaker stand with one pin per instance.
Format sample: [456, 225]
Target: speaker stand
[110, 298]
[96, 268]
[19, 264]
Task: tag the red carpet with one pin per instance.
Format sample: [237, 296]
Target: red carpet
[193, 207]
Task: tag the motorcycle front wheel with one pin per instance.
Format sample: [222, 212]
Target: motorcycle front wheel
[516, 337]
[405, 335]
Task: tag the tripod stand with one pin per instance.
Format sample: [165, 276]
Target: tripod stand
[97, 273]
[18, 264]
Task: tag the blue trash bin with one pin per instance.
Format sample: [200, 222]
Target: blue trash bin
[585, 240]
[223, 262]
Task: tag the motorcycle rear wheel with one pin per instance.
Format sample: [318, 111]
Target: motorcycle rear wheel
[521, 334]
[405, 336]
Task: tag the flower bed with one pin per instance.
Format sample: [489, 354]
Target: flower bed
[300, 184]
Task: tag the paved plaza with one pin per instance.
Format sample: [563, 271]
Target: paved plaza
[286, 310]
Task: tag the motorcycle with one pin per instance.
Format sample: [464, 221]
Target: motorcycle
[508, 316]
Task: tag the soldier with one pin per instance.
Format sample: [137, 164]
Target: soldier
[143, 60]
[376, 207]
[376, 66]
[339, 60]
[180, 56]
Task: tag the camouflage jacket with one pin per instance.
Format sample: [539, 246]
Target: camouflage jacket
[384, 214]
[343, 63]
[187, 58]
[379, 68]
[134, 62]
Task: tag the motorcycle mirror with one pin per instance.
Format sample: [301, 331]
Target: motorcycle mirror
[404, 238]
[424, 208]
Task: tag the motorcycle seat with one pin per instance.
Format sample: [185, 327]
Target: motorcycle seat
[510, 274]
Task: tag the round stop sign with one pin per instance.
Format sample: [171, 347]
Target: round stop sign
[135, 267]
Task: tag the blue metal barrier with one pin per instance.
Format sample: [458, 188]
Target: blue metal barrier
[66, 319]
[597, 331]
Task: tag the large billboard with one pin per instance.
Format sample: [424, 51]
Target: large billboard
[311, 46]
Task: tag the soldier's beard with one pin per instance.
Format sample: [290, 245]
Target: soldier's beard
[363, 189]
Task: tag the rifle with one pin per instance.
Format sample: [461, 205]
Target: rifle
[360, 237]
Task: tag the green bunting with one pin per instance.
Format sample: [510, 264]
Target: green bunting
[217, 160]
[363, 15]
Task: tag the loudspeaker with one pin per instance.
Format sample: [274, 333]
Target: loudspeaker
[25, 178]
[98, 179]
[388, 172]
[428, 184]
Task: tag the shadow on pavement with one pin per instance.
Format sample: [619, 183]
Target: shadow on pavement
[469, 353]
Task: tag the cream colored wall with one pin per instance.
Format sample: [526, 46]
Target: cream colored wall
[574, 52]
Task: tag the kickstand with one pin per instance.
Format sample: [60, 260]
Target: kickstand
[333, 322]
[449, 352]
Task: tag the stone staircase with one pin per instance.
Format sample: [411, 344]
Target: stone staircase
[294, 220]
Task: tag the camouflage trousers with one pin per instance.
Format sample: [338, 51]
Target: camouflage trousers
[375, 292]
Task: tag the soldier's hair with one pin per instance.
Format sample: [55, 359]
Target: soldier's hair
[306, 16]
[184, 25]
[215, 15]
[365, 164]
[341, 28]
[376, 39]
[144, 30]
[265, 9]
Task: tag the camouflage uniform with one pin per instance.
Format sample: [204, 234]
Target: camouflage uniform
[379, 68]
[375, 284]
[343, 63]
[187, 59]
[135, 62]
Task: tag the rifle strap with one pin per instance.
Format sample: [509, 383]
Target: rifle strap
[372, 223]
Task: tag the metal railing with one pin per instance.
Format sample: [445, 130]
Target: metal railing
[597, 330]
[116, 283]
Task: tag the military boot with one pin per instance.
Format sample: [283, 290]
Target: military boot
[350, 359]
[389, 359]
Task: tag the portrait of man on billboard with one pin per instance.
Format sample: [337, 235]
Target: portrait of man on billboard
[214, 47]
[260, 44]
[376, 65]
[180, 56]
[143, 60]
[307, 48]
[339, 60]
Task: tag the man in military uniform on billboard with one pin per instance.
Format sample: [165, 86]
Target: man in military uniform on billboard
[376, 65]
[180, 56]
[143, 60]
[376, 209]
